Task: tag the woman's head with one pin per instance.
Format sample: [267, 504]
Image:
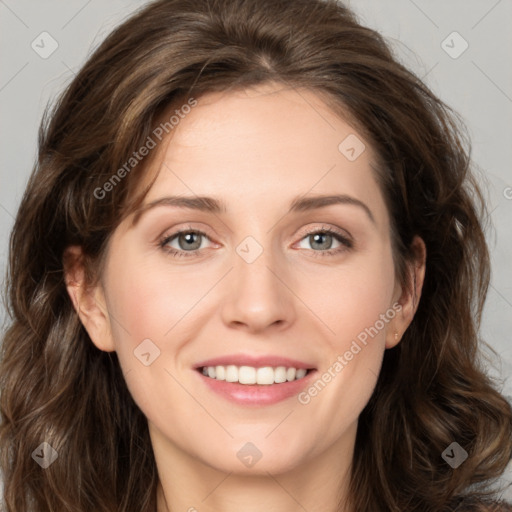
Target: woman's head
[261, 106]
[256, 283]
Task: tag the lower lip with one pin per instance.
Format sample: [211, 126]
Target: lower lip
[257, 394]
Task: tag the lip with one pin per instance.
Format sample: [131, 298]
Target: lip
[255, 394]
[255, 361]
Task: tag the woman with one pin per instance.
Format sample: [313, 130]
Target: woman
[256, 368]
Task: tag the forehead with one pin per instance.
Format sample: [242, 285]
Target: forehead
[266, 144]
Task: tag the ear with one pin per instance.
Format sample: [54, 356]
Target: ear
[88, 300]
[408, 297]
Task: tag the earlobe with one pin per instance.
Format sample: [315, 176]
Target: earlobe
[410, 296]
[88, 300]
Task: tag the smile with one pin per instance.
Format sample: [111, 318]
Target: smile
[250, 375]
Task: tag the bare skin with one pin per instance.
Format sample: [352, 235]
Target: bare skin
[257, 151]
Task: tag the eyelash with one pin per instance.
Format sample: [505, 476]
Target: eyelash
[175, 253]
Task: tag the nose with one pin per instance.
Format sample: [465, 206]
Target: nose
[258, 295]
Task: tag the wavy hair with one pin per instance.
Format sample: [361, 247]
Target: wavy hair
[57, 387]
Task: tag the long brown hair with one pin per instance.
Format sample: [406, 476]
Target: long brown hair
[57, 387]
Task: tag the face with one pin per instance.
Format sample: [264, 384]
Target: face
[270, 278]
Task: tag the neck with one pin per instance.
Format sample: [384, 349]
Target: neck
[317, 484]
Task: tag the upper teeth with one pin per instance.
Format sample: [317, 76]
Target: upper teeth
[252, 375]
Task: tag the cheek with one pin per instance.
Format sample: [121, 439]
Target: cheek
[148, 301]
[147, 304]
[154, 308]
[355, 303]
[351, 297]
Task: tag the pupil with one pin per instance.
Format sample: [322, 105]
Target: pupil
[189, 239]
[318, 237]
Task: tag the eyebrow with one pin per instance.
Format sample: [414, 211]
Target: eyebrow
[212, 205]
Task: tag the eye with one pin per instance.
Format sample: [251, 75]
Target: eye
[321, 240]
[189, 242]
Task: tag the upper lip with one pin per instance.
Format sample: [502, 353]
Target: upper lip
[255, 361]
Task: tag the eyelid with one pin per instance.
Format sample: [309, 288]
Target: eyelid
[164, 239]
[342, 236]
[328, 229]
[172, 232]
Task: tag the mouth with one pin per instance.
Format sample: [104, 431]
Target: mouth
[252, 375]
[255, 381]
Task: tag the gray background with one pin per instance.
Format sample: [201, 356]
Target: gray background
[476, 83]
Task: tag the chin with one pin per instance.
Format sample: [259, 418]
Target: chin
[253, 457]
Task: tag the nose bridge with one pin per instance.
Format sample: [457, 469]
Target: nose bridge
[254, 259]
[252, 269]
[257, 297]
